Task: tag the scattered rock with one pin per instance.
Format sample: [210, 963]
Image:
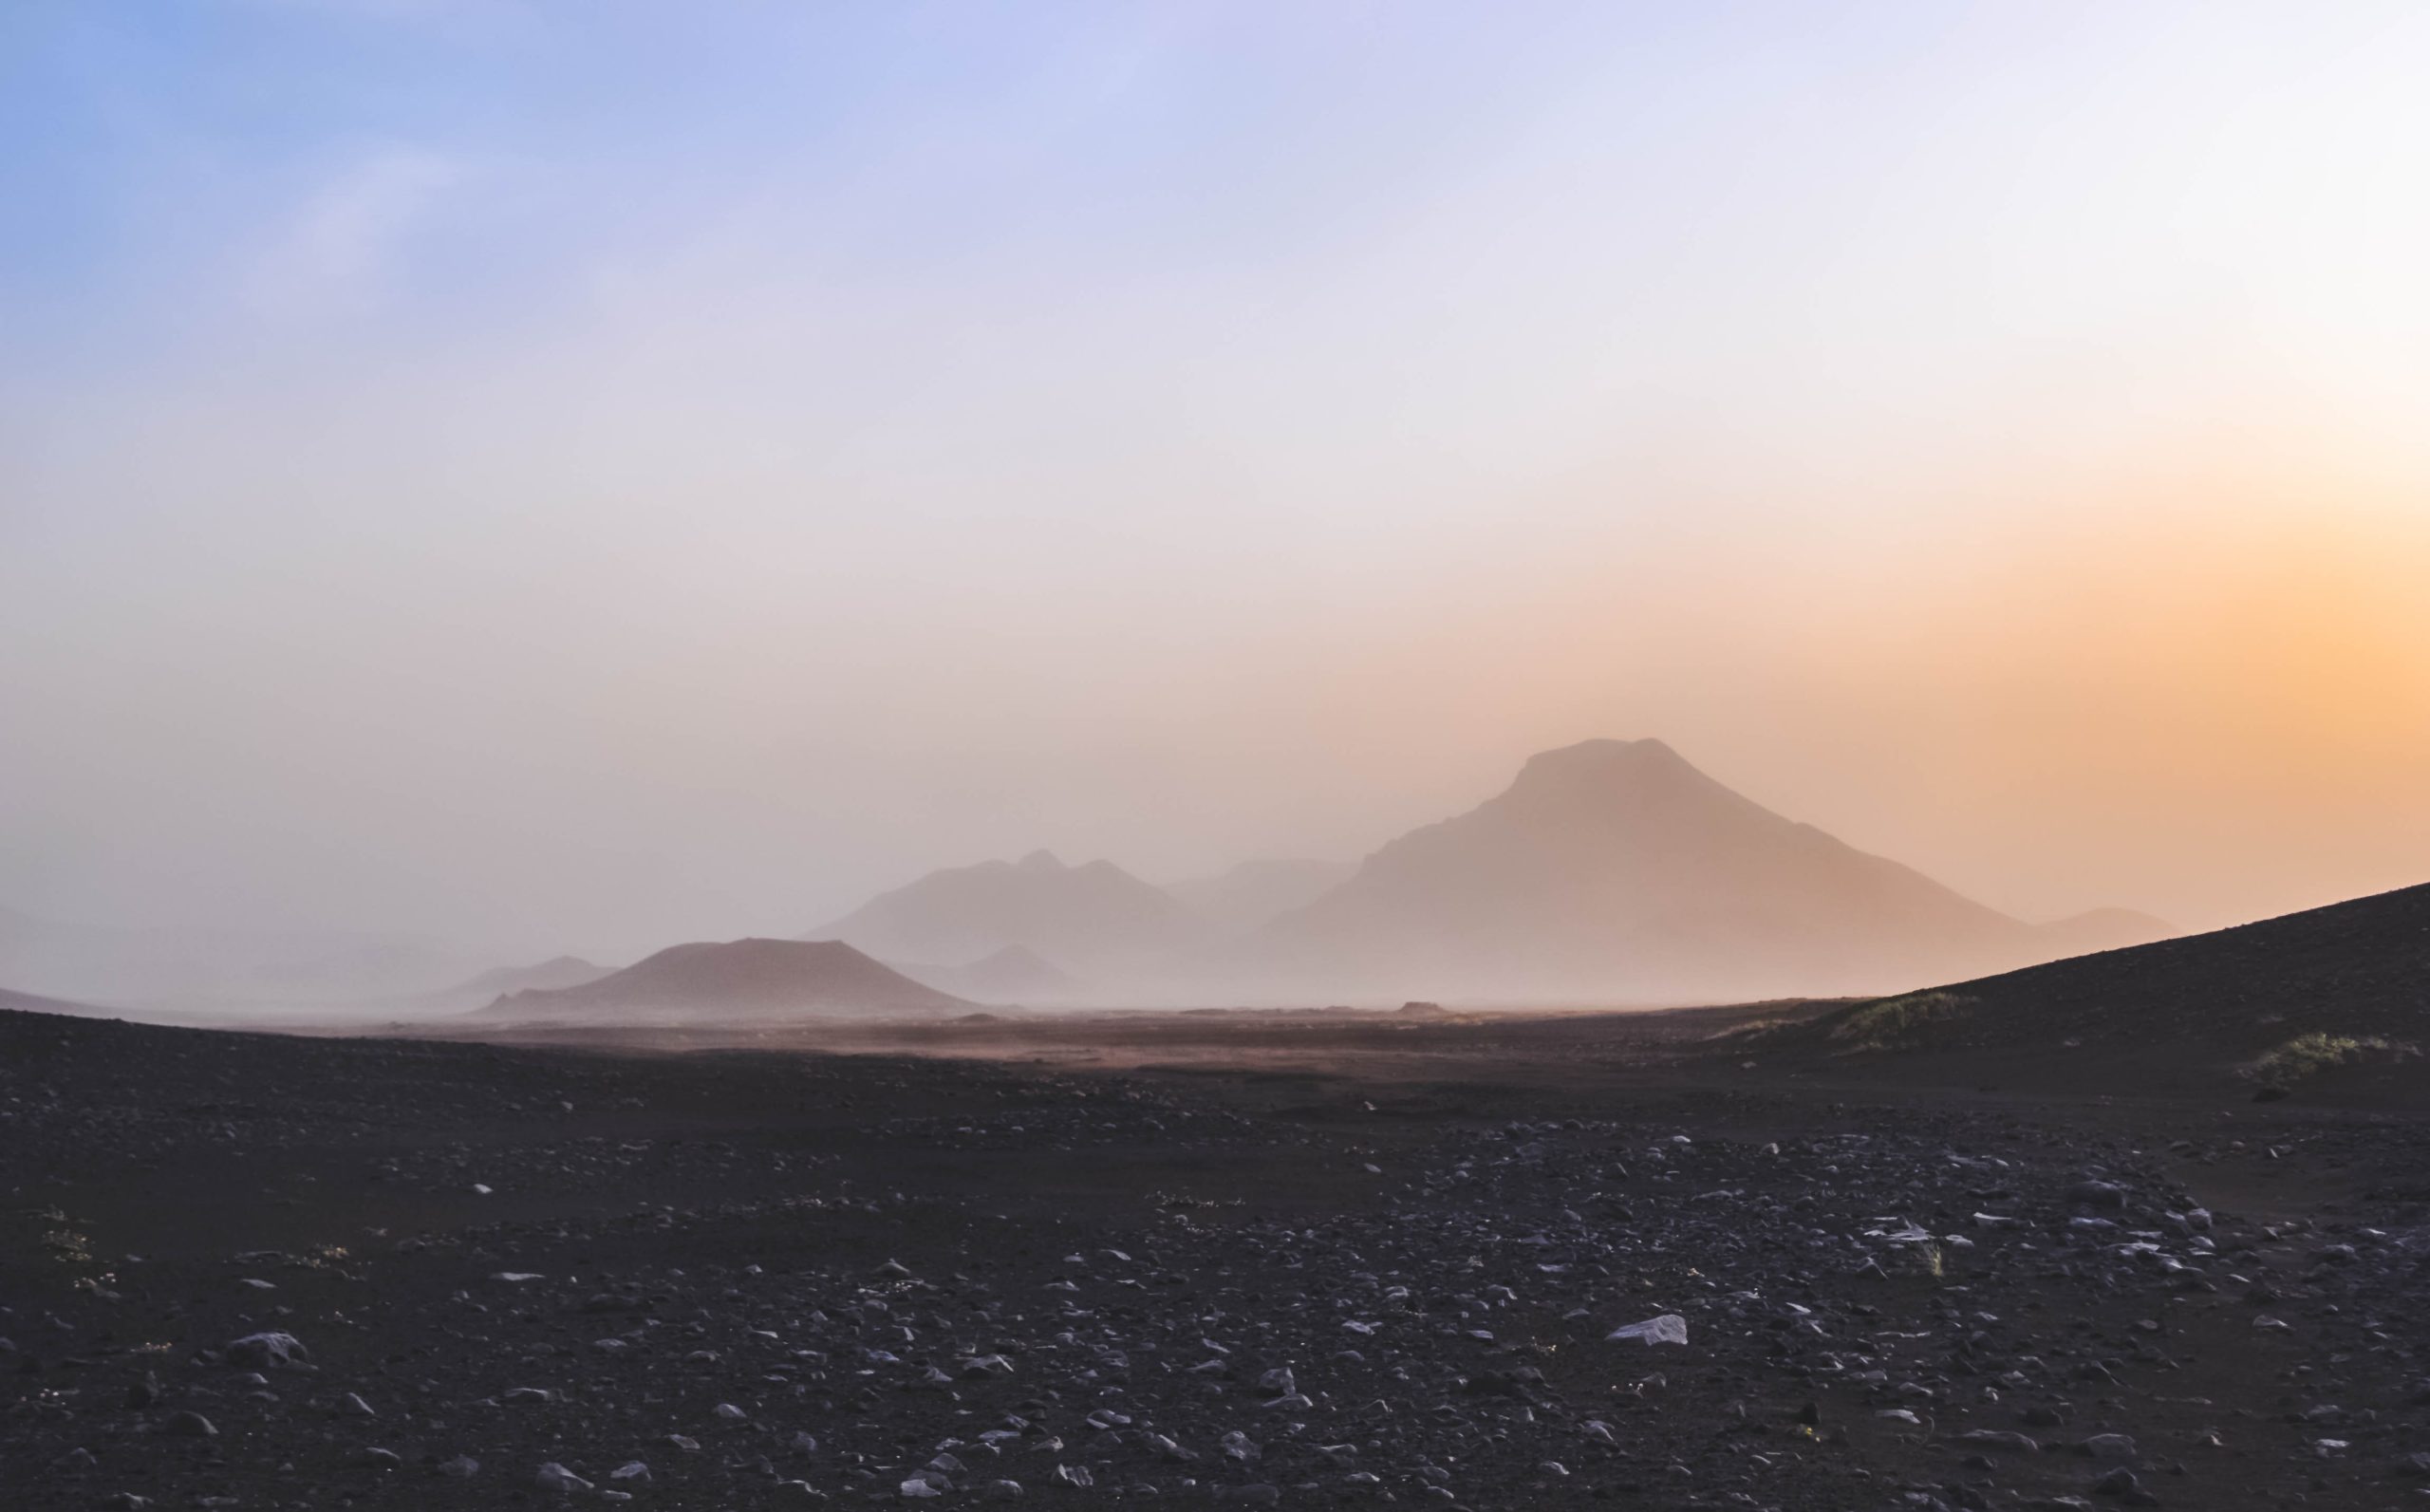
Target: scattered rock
[1668, 1328]
[264, 1352]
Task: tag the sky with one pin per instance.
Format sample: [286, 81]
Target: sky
[587, 475]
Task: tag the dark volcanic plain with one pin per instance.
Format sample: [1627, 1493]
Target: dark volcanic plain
[1174, 1261]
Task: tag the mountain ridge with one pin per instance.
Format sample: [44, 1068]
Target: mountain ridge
[1606, 871]
[2353, 968]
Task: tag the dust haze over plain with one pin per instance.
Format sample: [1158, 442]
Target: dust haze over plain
[532, 483]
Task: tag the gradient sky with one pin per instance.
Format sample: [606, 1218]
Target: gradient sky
[576, 476]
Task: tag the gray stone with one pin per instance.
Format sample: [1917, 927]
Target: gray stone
[262, 1352]
[189, 1426]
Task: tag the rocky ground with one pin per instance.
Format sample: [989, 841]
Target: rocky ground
[249, 1272]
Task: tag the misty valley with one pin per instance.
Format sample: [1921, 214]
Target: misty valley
[2137, 1221]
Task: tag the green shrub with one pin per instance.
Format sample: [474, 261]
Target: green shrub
[2308, 1055]
[1899, 1023]
[1753, 1031]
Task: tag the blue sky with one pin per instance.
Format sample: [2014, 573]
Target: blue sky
[586, 474]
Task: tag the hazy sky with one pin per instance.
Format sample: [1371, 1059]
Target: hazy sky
[583, 476]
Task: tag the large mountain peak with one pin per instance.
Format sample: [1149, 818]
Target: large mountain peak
[1592, 771]
[1605, 758]
[1615, 870]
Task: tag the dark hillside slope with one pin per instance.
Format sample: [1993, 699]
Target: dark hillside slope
[2351, 982]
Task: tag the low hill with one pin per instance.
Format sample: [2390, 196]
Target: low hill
[754, 980]
[2349, 982]
[546, 976]
[1090, 917]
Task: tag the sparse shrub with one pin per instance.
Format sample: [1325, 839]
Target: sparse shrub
[1754, 1029]
[2308, 1055]
[1899, 1023]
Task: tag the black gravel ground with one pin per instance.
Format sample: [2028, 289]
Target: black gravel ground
[1307, 1269]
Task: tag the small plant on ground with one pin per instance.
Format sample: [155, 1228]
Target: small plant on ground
[1899, 1023]
[2308, 1055]
[1754, 1030]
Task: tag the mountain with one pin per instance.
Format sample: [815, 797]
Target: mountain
[2350, 972]
[1257, 892]
[1013, 977]
[1614, 871]
[548, 975]
[1093, 918]
[737, 979]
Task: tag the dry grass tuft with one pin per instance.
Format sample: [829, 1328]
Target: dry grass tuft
[1899, 1023]
[2308, 1055]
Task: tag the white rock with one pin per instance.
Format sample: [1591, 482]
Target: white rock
[1668, 1329]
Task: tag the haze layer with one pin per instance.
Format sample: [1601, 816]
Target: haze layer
[573, 480]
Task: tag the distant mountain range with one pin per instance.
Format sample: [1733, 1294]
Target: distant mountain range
[1609, 871]
[738, 980]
